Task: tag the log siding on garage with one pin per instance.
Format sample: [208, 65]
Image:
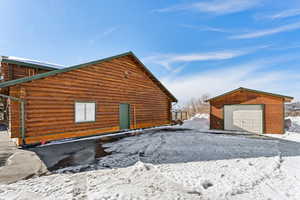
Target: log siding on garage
[273, 108]
[50, 101]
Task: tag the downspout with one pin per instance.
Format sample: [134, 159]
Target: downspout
[22, 116]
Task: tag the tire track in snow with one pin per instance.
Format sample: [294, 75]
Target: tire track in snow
[155, 156]
[265, 178]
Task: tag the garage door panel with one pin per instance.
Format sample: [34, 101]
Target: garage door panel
[244, 118]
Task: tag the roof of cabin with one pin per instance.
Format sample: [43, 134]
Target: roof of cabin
[30, 63]
[58, 71]
[286, 98]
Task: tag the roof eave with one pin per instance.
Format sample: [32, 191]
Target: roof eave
[5, 60]
[286, 98]
[57, 71]
[173, 98]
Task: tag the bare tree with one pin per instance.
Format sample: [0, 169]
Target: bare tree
[197, 105]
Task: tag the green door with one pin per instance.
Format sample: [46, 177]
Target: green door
[124, 116]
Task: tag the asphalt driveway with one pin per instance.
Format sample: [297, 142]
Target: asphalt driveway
[163, 145]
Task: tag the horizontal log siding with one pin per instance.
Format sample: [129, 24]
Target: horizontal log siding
[274, 112]
[12, 71]
[14, 112]
[5, 72]
[50, 101]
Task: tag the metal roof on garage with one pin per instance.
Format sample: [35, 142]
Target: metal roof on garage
[286, 98]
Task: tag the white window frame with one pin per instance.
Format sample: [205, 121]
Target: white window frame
[84, 116]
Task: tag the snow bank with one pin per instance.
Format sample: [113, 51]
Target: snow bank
[293, 132]
[237, 179]
[291, 136]
[295, 125]
[200, 116]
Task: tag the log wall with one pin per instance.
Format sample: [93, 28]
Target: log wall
[50, 101]
[273, 113]
[14, 112]
[13, 71]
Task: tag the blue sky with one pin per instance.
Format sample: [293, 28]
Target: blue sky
[194, 47]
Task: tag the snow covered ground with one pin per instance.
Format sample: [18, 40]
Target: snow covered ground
[292, 136]
[177, 164]
[199, 121]
[293, 133]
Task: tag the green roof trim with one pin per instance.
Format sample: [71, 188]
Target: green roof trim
[58, 71]
[251, 90]
[9, 61]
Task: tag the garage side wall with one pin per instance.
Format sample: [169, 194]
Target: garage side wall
[273, 113]
[50, 101]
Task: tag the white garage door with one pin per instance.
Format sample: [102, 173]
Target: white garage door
[244, 118]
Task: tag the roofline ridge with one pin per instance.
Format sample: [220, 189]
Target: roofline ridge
[57, 71]
[251, 90]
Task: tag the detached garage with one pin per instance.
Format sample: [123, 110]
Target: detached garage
[249, 110]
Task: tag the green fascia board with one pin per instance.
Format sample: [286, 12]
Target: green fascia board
[268, 93]
[5, 60]
[159, 83]
[54, 72]
[250, 90]
[58, 71]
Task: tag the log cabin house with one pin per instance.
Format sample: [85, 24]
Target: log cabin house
[103, 96]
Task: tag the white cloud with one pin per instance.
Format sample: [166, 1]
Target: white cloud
[218, 7]
[206, 28]
[105, 33]
[168, 60]
[109, 31]
[216, 82]
[284, 14]
[265, 32]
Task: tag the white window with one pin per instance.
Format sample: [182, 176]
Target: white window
[85, 111]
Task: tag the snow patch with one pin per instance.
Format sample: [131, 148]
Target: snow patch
[35, 62]
[295, 125]
[198, 121]
[200, 115]
[293, 132]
